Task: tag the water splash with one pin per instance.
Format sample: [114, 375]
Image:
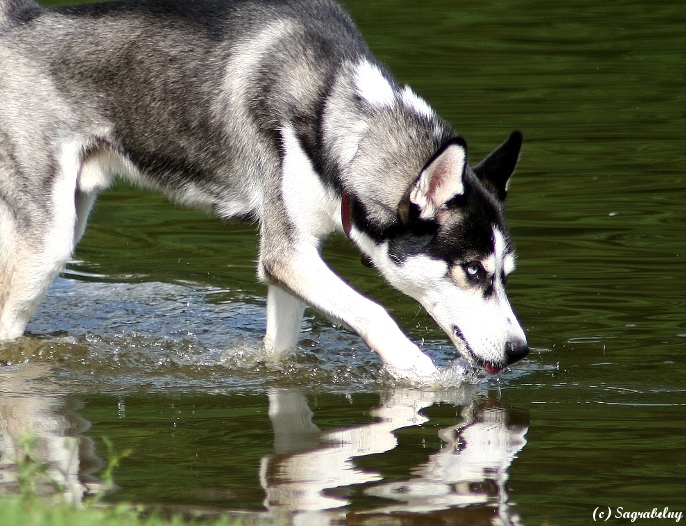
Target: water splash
[156, 336]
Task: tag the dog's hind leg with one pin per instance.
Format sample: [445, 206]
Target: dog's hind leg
[25, 276]
[284, 315]
[33, 253]
[38, 237]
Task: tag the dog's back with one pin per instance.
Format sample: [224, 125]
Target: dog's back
[212, 76]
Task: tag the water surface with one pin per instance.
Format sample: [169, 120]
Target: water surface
[152, 335]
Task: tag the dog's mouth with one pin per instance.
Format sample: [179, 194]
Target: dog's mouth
[490, 367]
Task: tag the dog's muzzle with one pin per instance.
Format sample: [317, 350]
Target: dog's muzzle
[514, 351]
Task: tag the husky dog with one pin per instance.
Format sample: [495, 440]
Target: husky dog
[264, 109]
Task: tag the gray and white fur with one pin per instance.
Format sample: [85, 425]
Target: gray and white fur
[270, 110]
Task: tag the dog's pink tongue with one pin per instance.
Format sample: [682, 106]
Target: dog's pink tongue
[492, 369]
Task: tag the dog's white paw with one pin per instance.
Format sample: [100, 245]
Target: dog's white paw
[412, 365]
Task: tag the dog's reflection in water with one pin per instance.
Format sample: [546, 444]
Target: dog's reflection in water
[312, 477]
[45, 426]
[310, 469]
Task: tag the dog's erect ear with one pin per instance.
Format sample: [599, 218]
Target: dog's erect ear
[496, 169]
[441, 179]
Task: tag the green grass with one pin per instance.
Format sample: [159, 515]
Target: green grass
[39, 512]
[38, 500]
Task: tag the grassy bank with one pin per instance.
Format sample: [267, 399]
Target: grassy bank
[35, 498]
[39, 512]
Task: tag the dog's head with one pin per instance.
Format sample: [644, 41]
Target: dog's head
[450, 250]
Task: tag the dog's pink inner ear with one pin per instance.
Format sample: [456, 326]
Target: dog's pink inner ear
[440, 181]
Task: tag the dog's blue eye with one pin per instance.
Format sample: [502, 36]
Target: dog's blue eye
[472, 270]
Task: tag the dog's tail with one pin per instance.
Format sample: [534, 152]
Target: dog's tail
[17, 11]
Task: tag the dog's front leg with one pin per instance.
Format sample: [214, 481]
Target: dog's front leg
[304, 274]
[284, 314]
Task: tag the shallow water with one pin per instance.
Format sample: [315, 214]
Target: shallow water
[152, 336]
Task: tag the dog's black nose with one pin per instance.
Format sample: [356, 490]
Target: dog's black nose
[515, 351]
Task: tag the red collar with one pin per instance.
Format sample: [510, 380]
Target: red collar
[346, 214]
[347, 221]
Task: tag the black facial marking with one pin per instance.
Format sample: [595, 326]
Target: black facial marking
[462, 231]
[465, 233]
[413, 240]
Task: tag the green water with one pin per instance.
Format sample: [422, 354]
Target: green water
[152, 335]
